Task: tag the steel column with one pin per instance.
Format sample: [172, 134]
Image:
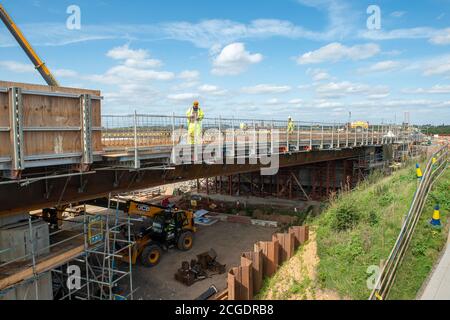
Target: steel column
[16, 128]
[86, 129]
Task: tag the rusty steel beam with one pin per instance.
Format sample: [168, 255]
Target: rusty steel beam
[56, 192]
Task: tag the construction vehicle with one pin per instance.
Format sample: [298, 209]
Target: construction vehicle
[359, 125]
[26, 46]
[155, 229]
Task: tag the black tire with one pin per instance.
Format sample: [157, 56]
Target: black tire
[186, 241]
[151, 256]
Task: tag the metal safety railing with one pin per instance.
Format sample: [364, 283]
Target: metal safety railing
[143, 131]
[436, 166]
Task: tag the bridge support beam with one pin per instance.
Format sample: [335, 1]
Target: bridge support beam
[65, 189]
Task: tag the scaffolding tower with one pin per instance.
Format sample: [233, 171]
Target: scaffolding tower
[89, 258]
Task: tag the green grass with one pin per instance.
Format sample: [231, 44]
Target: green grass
[426, 245]
[359, 230]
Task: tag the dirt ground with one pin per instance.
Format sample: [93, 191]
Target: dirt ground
[297, 279]
[229, 240]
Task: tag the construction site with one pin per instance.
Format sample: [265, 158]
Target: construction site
[103, 206]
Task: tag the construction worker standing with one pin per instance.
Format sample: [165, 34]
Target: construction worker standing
[195, 117]
[291, 126]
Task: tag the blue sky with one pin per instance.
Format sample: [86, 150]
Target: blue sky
[311, 59]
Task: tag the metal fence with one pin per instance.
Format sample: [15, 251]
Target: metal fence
[139, 131]
[435, 168]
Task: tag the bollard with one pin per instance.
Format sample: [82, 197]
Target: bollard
[419, 172]
[436, 221]
[433, 161]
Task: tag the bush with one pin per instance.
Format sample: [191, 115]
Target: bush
[386, 199]
[345, 217]
[373, 218]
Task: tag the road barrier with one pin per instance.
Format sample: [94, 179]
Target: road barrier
[245, 281]
[436, 166]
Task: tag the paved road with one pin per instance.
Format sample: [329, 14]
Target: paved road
[439, 286]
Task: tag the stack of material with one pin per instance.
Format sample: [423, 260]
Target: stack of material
[203, 218]
[204, 267]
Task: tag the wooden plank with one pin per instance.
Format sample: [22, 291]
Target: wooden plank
[44, 143]
[96, 113]
[5, 145]
[37, 87]
[50, 112]
[4, 110]
[97, 144]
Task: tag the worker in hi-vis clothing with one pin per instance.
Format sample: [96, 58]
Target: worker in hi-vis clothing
[195, 117]
[291, 126]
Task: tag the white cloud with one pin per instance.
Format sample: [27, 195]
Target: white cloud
[281, 104]
[134, 67]
[273, 102]
[133, 58]
[335, 51]
[295, 101]
[130, 96]
[212, 90]
[321, 76]
[217, 32]
[346, 88]
[234, 59]
[183, 97]
[324, 103]
[398, 14]
[266, 89]
[437, 66]
[382, 66]
[17, 67]
[123, 74]
[189, 75]
[318, 74]
[442, 38]
[65, 73]
[437, 89]
[407, 33]
[341, 17]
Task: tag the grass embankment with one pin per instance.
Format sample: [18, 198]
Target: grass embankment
[426, 245]
[359, 229]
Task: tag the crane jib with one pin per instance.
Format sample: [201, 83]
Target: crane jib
[26, 46]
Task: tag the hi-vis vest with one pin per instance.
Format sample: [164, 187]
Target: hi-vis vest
[190, 113]
[291, 127]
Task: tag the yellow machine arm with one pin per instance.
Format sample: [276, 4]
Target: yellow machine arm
[20, 38]
[143, 209]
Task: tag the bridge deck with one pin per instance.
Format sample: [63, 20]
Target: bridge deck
[57, 148]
